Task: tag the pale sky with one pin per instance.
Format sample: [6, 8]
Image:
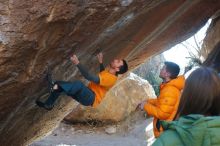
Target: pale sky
[179, 53]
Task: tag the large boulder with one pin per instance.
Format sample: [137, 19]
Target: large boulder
[118, 103]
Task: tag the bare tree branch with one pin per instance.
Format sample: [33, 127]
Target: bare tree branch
[196, 42]
[196, 54]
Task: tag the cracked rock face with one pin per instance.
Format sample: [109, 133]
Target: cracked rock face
[211, 43]
[37, 33]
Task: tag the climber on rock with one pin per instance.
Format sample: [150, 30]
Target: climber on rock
[90, 95]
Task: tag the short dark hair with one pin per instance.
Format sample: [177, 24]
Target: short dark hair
[123, 68]
[201, 94]
[172, 68]
[216, 66]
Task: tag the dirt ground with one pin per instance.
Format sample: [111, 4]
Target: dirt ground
[130, 132]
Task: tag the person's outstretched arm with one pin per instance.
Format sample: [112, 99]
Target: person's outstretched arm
[84, 71]
[100, 59]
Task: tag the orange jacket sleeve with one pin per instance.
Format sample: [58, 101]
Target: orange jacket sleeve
[152, 101]
[165, 104]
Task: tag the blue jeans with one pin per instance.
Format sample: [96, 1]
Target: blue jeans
[77, 90]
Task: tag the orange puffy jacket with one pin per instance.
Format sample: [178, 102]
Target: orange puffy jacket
[166, 104]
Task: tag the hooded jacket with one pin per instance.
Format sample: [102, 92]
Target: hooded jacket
[166, 104]
[191, 130]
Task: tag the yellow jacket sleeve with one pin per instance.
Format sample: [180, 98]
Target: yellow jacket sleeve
[152, 101]
[164, 105]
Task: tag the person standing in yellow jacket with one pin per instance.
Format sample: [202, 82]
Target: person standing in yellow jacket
[166, 104]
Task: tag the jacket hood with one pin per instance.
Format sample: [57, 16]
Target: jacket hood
[193, 127]
[177, 82]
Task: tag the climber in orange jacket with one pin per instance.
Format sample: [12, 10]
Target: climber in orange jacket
[90, 95]
[166, 104]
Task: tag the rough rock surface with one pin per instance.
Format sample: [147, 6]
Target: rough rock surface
[212, 42]
[34, 33]
[118, 103]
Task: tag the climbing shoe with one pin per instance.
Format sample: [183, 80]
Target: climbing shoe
[49, 79]
[43, 105]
